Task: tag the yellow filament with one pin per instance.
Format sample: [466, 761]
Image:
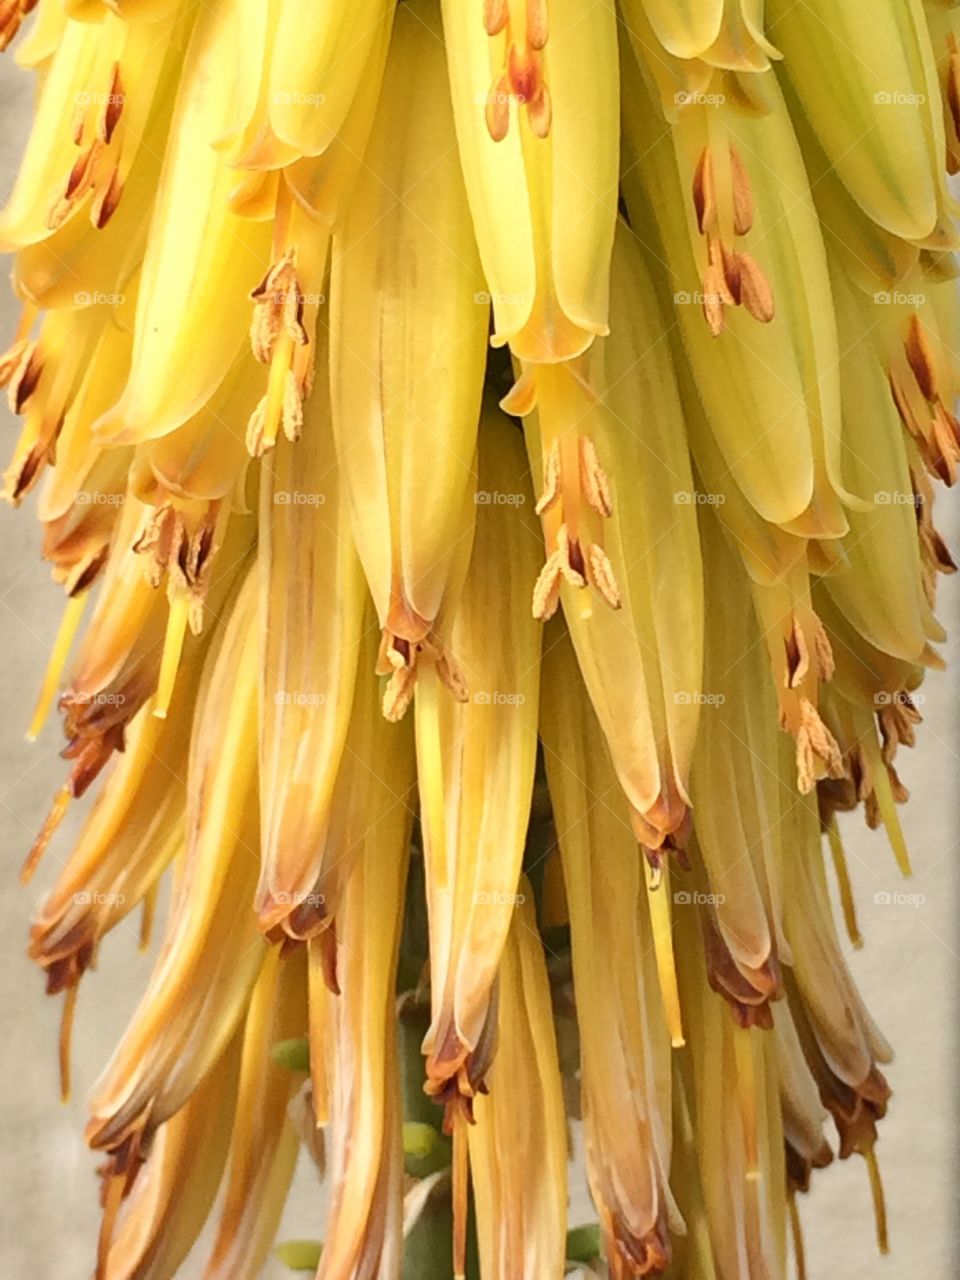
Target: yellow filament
[847, 904]
[172, 649]
[796, 1231]
[891, 822]
[658, 896]
[58, 660]
[280, 363]
[66, 1036]
[747, 1094]
[460, 1177]
[879, 1201]
[147, 918]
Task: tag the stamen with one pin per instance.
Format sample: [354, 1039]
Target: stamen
[796, 1231]
[815, 742]
[551, 479]
[658, 891]
[148, 915]
[461, 1171]
[602, 576]
[756, 295]
[61, 802]
[747, 1096]
[845, 889]
[66, 1037]
[887, 809]
[593, 479]
[172, 650]
[920, 358]
[72, 615]
[798, 658]
[879, 1200]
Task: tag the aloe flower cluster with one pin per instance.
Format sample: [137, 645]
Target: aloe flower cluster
[493, 443]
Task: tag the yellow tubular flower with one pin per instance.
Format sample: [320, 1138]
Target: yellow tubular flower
[627, 1147]
[729, 1079]
[174, 1192]
[264, 1146]
[737, 804]
[881, 105]
[476, 766]
[408, 326]
[617, 415]
[518, 1144]
[536, 100]
[364, 1229]
[770, 389]
[202, 259]
[723, 33]
[97, 99]
[211, 953]
[311, 613]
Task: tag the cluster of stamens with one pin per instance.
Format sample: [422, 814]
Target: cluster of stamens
[521, 80]
[732, 277]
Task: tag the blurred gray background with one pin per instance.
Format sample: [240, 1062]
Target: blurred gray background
[907, 970]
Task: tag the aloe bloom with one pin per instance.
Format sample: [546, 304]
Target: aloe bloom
[498, 441]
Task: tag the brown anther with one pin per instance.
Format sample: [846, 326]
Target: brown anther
[551, 479]
[22, 378]
[797, 654]
[756, 296]
[279, 309]
[593, 479]
[11, 359]
[742, 194]
[816, 748]
[160, 541]
[538, 27]
[105, 202]
[113, 107]
[823, 650]
[540, 112]
[704, 194]
[497, 110]
[495, 16]
[601, 575]
[920, 358]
